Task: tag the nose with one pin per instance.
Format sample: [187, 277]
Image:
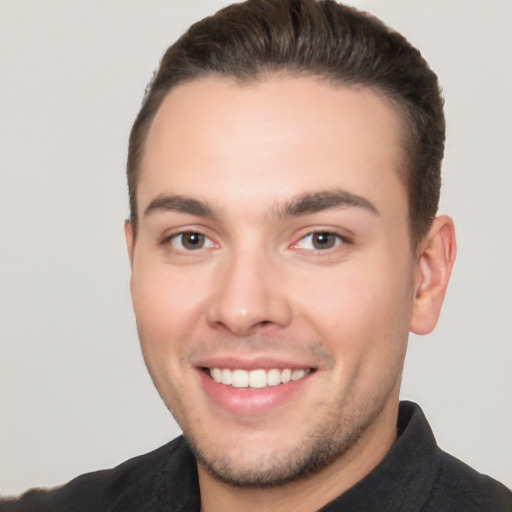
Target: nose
[249, 293]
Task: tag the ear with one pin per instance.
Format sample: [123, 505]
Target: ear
[130, 240]
[434, 261]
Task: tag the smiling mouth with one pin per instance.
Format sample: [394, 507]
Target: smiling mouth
[256, 379]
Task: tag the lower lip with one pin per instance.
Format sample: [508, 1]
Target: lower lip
[250, 401]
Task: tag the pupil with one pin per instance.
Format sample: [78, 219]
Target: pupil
[323, 241]
[193, 240]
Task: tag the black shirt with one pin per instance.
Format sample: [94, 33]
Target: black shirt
[415, 476]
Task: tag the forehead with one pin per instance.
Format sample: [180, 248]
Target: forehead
[262, 142]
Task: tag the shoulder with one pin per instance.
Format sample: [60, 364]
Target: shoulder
[458, 487]
[437, 481]
[124, 487]
[452, 486]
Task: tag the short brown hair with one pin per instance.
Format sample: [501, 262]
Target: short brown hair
[249, 40]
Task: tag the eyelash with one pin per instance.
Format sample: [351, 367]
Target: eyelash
[168, 240]
[340, 239]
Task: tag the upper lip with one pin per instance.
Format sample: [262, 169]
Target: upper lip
[251, 363]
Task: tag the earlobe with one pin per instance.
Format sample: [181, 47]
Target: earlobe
[130, 240]
[435, 258]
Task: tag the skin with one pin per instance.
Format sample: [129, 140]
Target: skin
[249, 167]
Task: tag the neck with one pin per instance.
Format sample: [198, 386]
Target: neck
[311, 492]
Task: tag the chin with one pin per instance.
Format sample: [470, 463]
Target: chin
[276, 463]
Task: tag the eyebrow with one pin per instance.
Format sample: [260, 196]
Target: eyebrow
[302, 204]
[177, 203]
[312, 202]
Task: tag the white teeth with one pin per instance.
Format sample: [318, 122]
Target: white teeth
[239, 378]
[298, 374]
[226, 377]
[217, 375]
[286, 376]
[273, 377]
[256, 379]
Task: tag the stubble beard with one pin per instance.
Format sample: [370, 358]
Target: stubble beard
[324, 444]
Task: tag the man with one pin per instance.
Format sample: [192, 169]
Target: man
[284, 176]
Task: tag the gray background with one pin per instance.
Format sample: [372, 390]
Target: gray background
[74, 392]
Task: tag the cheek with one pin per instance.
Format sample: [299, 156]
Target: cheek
[167, 303]
[359, 308]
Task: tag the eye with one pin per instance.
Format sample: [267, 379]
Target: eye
[190, 241]
[320, 241]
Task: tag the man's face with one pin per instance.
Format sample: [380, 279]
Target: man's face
[272, 273]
